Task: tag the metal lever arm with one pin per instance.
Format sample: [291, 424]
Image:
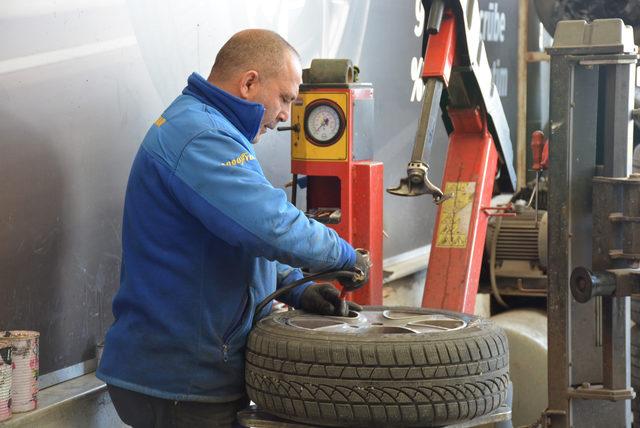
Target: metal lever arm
[417, 182]
[438, 59]
[436, 11]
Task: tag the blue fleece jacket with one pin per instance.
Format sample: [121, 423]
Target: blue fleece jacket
[205, 237]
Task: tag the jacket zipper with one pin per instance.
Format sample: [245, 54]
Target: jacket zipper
[225, 352]
[237, 319]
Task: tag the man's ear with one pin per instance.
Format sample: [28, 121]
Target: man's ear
[249, 84]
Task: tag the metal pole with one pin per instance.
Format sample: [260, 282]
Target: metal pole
[521, 140]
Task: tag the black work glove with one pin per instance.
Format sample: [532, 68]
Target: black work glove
[362, 266]
[324, 299]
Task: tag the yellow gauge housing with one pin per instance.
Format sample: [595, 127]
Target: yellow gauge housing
[302, 146]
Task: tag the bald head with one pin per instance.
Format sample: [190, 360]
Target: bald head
[261, 50]
[261, 67]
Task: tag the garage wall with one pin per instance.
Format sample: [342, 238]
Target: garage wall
[76, 97]
[80, 82]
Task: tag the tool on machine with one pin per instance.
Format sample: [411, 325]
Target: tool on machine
[295, 128]
[417, 181]
[357, 278]
[540, 151]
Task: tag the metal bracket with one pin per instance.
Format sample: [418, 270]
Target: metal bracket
[587, 391]
[605, 59]
[620, 218]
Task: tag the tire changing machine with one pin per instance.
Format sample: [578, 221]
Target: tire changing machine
[479, 143]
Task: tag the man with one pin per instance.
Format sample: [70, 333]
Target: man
[206, 237]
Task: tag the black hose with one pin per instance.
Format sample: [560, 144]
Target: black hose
[294, 189]
[331, 274]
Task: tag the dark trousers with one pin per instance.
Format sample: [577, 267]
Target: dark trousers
[143, 411]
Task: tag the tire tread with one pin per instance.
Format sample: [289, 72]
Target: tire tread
[369, 383]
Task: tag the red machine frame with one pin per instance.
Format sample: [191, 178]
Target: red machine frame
[472, 161]
[359, 184]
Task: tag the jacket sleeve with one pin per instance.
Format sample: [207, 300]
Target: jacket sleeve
[221, 183]
[287, 275]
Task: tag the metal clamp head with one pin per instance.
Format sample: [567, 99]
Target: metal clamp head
[417, 183]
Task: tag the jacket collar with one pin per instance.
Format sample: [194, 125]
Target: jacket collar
[244, 115]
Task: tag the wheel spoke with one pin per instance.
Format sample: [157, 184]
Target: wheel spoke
[442, 324]
[315, 323]
[380, 322]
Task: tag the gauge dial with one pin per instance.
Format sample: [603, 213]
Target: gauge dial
[324, 122]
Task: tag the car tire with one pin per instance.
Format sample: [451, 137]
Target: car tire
[443, 367]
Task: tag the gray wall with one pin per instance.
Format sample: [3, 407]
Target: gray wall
[76, 98]
[80, 82]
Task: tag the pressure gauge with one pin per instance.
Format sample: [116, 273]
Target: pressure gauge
[324, 122]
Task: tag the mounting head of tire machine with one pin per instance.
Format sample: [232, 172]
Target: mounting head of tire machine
[458, 82]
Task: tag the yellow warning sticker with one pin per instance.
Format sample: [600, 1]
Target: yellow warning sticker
[455, 215]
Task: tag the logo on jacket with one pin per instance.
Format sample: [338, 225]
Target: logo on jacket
[160, 121]
[240, 160]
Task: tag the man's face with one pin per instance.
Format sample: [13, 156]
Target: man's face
[276, 93]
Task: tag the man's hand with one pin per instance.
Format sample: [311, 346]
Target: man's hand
[361, 268]
[324, 299]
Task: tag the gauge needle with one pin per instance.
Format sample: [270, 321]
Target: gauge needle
[324, 122]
